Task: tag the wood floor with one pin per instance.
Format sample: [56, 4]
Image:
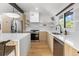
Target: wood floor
[39, 48]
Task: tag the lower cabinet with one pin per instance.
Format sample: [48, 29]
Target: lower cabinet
[70, 51]
[58, 49]
[50, 42]
[66, 50]
[75, 52]
[42, 36]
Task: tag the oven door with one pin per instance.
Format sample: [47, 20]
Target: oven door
[34, 36]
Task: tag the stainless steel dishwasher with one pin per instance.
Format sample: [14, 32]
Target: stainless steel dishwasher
[58, 47]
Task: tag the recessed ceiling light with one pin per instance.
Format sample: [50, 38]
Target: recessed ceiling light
[36, 8]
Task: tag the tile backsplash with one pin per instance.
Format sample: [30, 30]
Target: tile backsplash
[40, 26]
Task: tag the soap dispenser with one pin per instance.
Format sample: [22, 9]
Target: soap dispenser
[65, 32]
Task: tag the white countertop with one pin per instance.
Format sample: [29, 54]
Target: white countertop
[72, 40]
[12, 36]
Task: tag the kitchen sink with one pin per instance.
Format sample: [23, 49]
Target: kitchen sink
[57, 33]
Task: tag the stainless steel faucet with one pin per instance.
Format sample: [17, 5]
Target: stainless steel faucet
[60, 28]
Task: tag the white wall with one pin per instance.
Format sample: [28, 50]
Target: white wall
[5, 7]
[40, 26]
[76, 18]
[45, 18]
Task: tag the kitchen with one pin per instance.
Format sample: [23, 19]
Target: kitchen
[44, 29]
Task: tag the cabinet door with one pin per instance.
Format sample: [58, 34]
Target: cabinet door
[58, 48]
[6, 24]
[70, 51]
[50, 42]
[75, 52]
[42, 35]
[66, 49]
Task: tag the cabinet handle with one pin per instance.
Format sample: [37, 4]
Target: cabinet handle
[78, 52]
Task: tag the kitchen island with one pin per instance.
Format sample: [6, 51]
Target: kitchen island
[21, 41]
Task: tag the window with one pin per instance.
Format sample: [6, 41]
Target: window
[68, 19]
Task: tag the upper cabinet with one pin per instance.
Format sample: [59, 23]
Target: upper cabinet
[34, 16]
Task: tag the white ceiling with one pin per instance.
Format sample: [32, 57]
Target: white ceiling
[5, 7]
[43, 8]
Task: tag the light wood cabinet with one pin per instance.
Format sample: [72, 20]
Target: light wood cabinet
[42, 36]
[50, 42]
[70, 51]
[56, 47]
[23, 22]
[75, 52]
[48, 38]
[67, 50]
[6, 24]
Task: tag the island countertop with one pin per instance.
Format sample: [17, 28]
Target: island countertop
[22, 41]
[12, 36]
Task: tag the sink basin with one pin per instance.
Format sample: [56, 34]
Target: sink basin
[57, 33]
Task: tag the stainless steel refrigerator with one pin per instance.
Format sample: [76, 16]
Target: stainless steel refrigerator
[16, 26]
